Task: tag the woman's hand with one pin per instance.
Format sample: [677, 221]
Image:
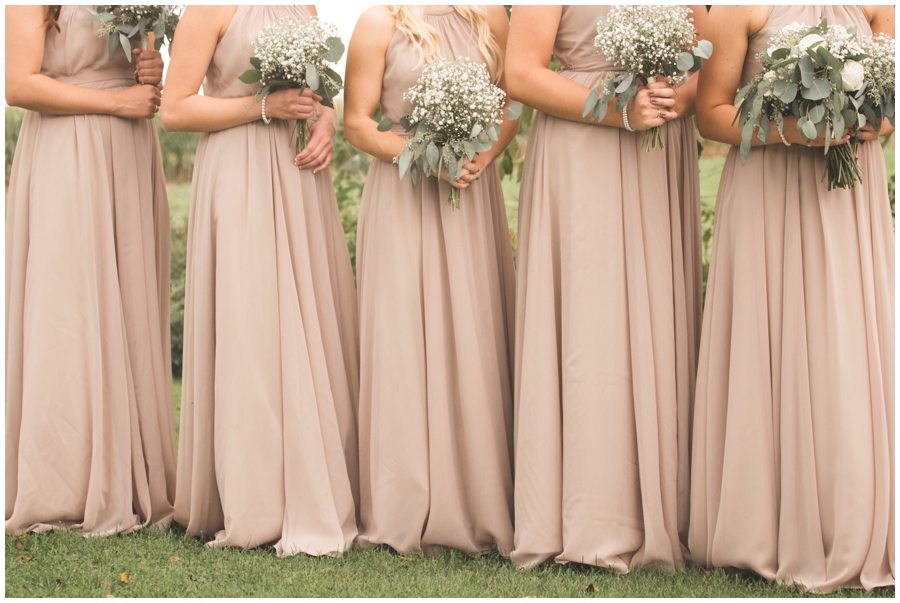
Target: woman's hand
[138, 102]
[652, 106]
[288, 104]
[148, 66]
[465, 177]
[868, 131]
[319, 148]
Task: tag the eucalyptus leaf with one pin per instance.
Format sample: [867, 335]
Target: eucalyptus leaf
[406, 158]
[827, 137]
[806, 71]
[765, 129]
[514, 111]
[625, 83]
[126, 46]
[257, 64]
[746, 138]
[432, 155]
[817, 113]
[704, 49]
[113, 45]
[684, 61]
[820, 89]
[334, 75]
[335, 49]
[385, 124]
[781, 53]
[810, 130]
[789, 94]
[476, 130]
[600, 109]
[837, 119]
[493, 132]
[590, 102]
[312, 78]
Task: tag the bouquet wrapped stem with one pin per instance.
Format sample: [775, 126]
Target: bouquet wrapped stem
[457, 113]
[126, 22]
[292, 55]
[644, 41]
[830, 80]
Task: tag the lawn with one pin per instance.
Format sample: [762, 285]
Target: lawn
[170, 564]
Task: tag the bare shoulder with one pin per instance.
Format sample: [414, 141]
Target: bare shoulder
[377, 17]
[496, 14]
[881, 17]
[738, 19]
[374, 29]
[208, 17]
[311, 9]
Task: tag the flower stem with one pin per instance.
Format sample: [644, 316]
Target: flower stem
[841, 165]
[653, 139]
[301, 135]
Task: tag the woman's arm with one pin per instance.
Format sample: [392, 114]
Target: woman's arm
[362, 92]
[881, 19]
[532, 33]
[183, 109]
[729, 28]
[686, 95]
[25, 86]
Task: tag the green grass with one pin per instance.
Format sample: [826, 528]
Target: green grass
[171, 564]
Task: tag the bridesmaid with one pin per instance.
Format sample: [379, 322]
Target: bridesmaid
[608, 307]
[90, 436]
[793, 473]
[436, 289]
[267, 446]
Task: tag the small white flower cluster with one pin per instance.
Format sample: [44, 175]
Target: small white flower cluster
[284, 49]
[646, 39]
[879, 67]
[450, 97]
[132, 14]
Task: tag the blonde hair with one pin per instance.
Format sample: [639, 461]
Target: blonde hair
[410, 20]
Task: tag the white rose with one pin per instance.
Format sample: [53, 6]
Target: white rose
[852, 74]
[808, 41]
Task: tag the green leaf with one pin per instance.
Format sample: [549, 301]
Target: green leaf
[385, 124]
[591, 101]
[625, 83]
[476, 130]
[335, 49]
[741, 94]
[514, 111]
[113, 45]
[493, 132]
[684, 61]
[257, 64]
[334, 75]
[704, 49]
[312, 78]
[126, 46]
[781, 53]
[810, 130]
[817, 91]
[806, 71]
[765, 128]
[827, 137]
[746, 138]
[406, 158]
[431, 156]
[837, 119]
[251, 76]
[817, 113]
[407, 125]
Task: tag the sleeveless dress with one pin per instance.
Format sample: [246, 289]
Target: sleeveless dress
[90, 435]
[436, 291]
[268, 447]
[793, 473]
[607, 324]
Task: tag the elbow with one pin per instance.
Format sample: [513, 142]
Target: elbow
[705, 124]
[13, 94]
[514, 78]
[351, 130]
[169, 118]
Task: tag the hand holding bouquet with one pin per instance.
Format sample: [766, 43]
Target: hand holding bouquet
[829, 80]
[292, 55]
[457, 113]
[125, 22]
[644, 41]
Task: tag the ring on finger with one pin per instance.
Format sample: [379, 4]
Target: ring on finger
[659, 114]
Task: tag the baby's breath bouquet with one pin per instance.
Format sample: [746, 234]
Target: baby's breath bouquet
[643, 42]
[125, 22]
[293, 55]
[819, 75]
[457, 112]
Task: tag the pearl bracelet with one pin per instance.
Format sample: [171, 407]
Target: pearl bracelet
[263, 112]
[783, 139]
[625, 118]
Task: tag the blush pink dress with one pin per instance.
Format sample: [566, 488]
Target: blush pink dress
[436, 291]
[607, 325]
[90, 435]
[793, 471]
[267, 449]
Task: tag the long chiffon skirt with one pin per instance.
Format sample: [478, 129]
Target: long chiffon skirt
[268, 446]
[607, 325]
[90, 436]
[436, 291]
[793, 471]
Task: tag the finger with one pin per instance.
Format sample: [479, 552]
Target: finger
[659, 85]
[315, 159]
[662, 102]
[664, 92]
[326, 161]
[307, 156]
